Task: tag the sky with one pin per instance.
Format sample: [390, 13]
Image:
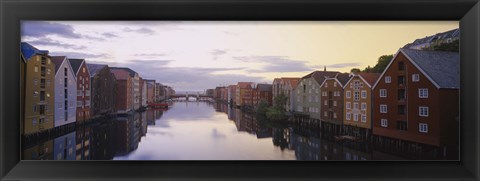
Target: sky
[198, 55]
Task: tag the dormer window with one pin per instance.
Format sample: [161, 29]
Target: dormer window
[401, 66]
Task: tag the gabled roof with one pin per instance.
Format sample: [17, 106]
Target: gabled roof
[369, 78]
[130, 71]
[443, 68]
[58, 60]
[343, 78]
[320, 76]
[95, 68]
[264, 87]
[244, 85]
[121, 74]
[76, 64]
[429, 39]
[28, 51]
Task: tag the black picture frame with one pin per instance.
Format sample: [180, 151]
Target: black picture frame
[12, 11]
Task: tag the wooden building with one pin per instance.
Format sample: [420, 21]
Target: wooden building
[331, 103]
[358, 104]
[82, 74]
[125, 102]
[416, 99]
[103, 90]
[38, 85]
[65, 92]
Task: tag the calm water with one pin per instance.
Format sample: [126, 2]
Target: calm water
[199, 131]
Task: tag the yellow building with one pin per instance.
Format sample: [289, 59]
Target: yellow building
[38, 86]
[357, 118]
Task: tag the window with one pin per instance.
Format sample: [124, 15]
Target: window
[348, 94]
[334, 84]
[334, 115]
[334, 103]
[423, 111]
[325, 102]
[401, 109]
[36, 68]
[34, 121]
[364, 94]
[401, 94]
[383, 92]
[42, 95]
[384, 123]
[423, 128]
[34, 108]
[35, 93]
[355, 117]
[79, 103]
[326, 84]
[316, 98]
[383, 108]
[423, 93]
[349, 116]
[364, 106]
[401, 66]
[356, 96]
[83, 69]
[402, 125]
[35, 82]
[42, 83]
[401, 80]
[325, 113]
[349, 105]
[388, 79]
[355, 105]
[66, 71]
[364, 118]
[415, 77]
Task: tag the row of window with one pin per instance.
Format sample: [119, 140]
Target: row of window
[348, 116]
[422, 93]
[401, 125]
[422, 110]
[355, 105]
[415, 78]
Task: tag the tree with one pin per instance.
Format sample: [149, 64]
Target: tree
[368, 69]
[454, 46]
[355, 70]
[277, 112]
[382, 63]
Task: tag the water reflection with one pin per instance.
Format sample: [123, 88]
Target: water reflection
[203, 131]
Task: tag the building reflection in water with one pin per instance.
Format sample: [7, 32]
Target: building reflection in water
[119, 136]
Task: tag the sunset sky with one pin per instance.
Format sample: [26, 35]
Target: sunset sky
[197, 55]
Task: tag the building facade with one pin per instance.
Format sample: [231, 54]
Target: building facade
[103, 96]
[307, 92]
[357, 117]
[150, 91]
[416, 99]
[135, 86]
[65, 92]
[38, 89]
[124, 100]
[262, 92]
[332, 103]
[82, 74]
[285, 86]
[244, 94]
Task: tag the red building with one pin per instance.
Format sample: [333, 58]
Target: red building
[416, 99]
[103, 90]
[262, 92]
[80, 69]
[331, 104]
[124, 102]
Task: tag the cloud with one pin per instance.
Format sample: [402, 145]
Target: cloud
[150, 54]
[217, 52]
[186, 78]
[140, 30]
[276, 64]
[109, 35]
[43, 41]
[42, 28]
[79, 55]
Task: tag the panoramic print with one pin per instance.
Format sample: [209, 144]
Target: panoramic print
[240, 90]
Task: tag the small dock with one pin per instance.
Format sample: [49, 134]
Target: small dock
[158, 105]
[347, 138]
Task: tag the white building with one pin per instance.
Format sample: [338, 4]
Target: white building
[65, 92]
